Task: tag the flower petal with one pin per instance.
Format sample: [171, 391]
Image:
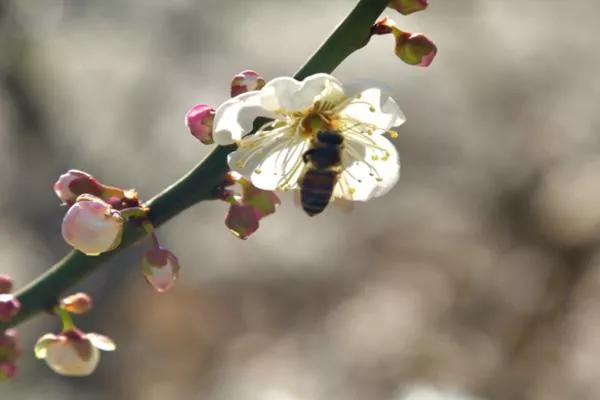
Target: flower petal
[235, 117]
[41, 347]
[101, 342]
[290, 95]
[271, 162]
[373, 105]
[371, 167]
[63, 359]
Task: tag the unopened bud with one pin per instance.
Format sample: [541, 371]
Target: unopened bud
[92, 226]
[6, 284]
[9, 306]
[199, 120]
[246, 81]
[406, 7]
[242, 220]
[8, 369]
[412, 48]
[78, 303]
[265, 202]
[9, 346]
[415, 48]
[74, 183]
[161, 268]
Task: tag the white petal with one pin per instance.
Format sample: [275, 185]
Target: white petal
[235, 117]
[273, 162]
[290, 95]
[371, 167]
[373, 105]
[63, 359]
[101, 342]
[41, 347]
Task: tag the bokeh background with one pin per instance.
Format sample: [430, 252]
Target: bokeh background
[477, 277]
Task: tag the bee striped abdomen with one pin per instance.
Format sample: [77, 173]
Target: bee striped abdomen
[316, 190]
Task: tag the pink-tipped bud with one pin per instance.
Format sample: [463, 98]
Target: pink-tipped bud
[246, 81]
[74, 183]
[406, 7]
[412, 48]
[415, 48]
[8, 370]
[199, 120]
[9, 346]
[78, 303]
[161, 268]
[9, 306]
[6, 284]
[242, 220]
[92, 226]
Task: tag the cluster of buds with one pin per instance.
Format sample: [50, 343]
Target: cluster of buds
[412, 48]
[9, 346]
[94, 222]
[72, 352]
[247, 208]
[199, 119]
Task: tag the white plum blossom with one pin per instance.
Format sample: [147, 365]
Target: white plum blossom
[272, 158]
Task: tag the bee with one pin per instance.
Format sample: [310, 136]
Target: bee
[324, 166]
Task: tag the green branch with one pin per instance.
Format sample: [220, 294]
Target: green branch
[199, 184]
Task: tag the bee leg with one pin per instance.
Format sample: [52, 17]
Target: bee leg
[307, 154]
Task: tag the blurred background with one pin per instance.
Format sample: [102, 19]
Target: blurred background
[476, 278]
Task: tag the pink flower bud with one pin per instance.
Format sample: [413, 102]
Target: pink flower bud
[78, 303]
[161, 268]
[6, 284]
[92, 226]
[74, 183]
[72, 352]
[9, 306]
[415, 48]
[8, 369]
[406, 7]
[199, 120]
[242, 220]
[412, 48]
[246, 81]
[9, 346]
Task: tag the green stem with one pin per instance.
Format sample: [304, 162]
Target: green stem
[198, 184]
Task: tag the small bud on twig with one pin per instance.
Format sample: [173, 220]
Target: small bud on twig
[78, 303]
[9, 306]
[92, 226]
[246, 81]
[161, 268]
[199, 120]
[412, 48]
[6, 284]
